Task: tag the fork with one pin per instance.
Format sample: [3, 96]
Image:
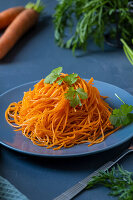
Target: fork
[77, 188]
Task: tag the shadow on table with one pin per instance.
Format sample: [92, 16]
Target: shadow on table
[73, 163]
[92, 48]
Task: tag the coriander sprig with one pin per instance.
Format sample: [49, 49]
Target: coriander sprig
[120, 182]
[53, 75]
[73, 95]
[122, 116]
[70, 79]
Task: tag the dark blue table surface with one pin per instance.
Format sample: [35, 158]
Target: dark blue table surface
[33, 57]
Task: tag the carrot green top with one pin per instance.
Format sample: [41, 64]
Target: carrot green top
[38, 6]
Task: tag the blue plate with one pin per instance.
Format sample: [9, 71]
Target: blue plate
[16, 141]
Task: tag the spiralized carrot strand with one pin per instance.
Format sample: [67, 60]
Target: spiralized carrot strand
[45, 116]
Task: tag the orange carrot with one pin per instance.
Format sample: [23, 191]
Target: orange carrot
[45, 116]
[7, 16]
[19, 26]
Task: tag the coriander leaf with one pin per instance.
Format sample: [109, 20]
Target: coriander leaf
[51, 78]
[122, 116]
[73, 96]
[55, 73]
[57, 70]
[75, 101]
[82, 93]
[70, 93]
[71, 78]
[125, 108]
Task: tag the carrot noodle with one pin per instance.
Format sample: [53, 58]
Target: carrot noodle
[45, 116]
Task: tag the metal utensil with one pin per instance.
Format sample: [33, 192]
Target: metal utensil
[76, 189]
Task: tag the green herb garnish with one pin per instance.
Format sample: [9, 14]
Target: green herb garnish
[53, 75]
[120, 182]
[122, 116]
[74, 96]
[77, 21]
[71, 78]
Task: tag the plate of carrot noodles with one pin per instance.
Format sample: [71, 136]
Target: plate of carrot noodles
[39, 118]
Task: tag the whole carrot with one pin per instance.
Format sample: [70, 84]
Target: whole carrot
[19, 26]
[7, 16]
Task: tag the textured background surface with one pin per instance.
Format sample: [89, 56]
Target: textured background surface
[34, 56]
